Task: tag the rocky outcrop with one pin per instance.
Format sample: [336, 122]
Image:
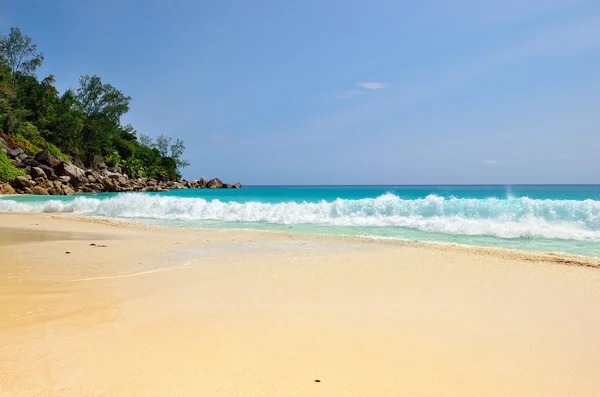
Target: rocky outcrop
[40, 191]
[44, 157]
[5, 188]
[45, 174]
[49, 171]
[37, 172]
[75, 174]
[56, 191]
[23, 182]
[14, 152]
[214, 183]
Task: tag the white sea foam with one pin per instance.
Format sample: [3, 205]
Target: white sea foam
[507, 218]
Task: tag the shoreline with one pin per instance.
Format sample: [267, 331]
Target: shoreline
[114, 308]
[574, 237]
[499, 252]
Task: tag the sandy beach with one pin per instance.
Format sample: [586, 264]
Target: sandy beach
[95, 309]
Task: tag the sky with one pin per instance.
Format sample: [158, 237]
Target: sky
[344, 91]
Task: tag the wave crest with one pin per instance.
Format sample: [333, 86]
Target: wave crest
[508, 218]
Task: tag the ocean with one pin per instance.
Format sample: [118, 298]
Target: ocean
[559, 219]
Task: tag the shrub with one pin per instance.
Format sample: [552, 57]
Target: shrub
[31, 133]
[8, 172]
[113, 159]
[56, 152]
[133, 167]
[20, 142]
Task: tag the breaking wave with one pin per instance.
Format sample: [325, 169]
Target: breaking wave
[504, 218]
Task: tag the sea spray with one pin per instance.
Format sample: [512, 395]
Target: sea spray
[505, 218]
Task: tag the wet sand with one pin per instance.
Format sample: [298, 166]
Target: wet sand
[239, 313]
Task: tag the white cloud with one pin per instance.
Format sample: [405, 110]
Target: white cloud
[581, 36]
[491, 162]
[370, 85]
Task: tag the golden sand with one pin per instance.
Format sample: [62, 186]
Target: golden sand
[237, 313]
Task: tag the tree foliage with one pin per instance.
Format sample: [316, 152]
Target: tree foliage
[83, 124]
[20, 54]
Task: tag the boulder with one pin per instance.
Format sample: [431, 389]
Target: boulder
[95, 187]
[64, 179]
[75, 174]
[237, 185]
[45, 183]
[109, 185]
[55, 191]
[49, 172]
[5, 188]
[116, 169]
[214, 183]
[37, 172]
[227, 186]
[22, 182]
[39, 191]
[21, 157]
[29, 162]
[202, 182]
[68, 190]
[14, 152]
[44, 157]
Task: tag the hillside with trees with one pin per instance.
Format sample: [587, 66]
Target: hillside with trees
[81, 126]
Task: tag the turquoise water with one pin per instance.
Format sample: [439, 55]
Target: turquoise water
[535, 218]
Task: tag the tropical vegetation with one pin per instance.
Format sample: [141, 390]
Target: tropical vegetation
[81, 125]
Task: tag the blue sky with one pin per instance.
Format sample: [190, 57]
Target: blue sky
[345, 92]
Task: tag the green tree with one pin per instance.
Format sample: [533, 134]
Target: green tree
[66, 123]
[177, 150]
[39, 98]
[103, 105]
[97, 99]
[162, 144]
[7, 94]
[168, 150]
[20, 53]
[82, 125]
